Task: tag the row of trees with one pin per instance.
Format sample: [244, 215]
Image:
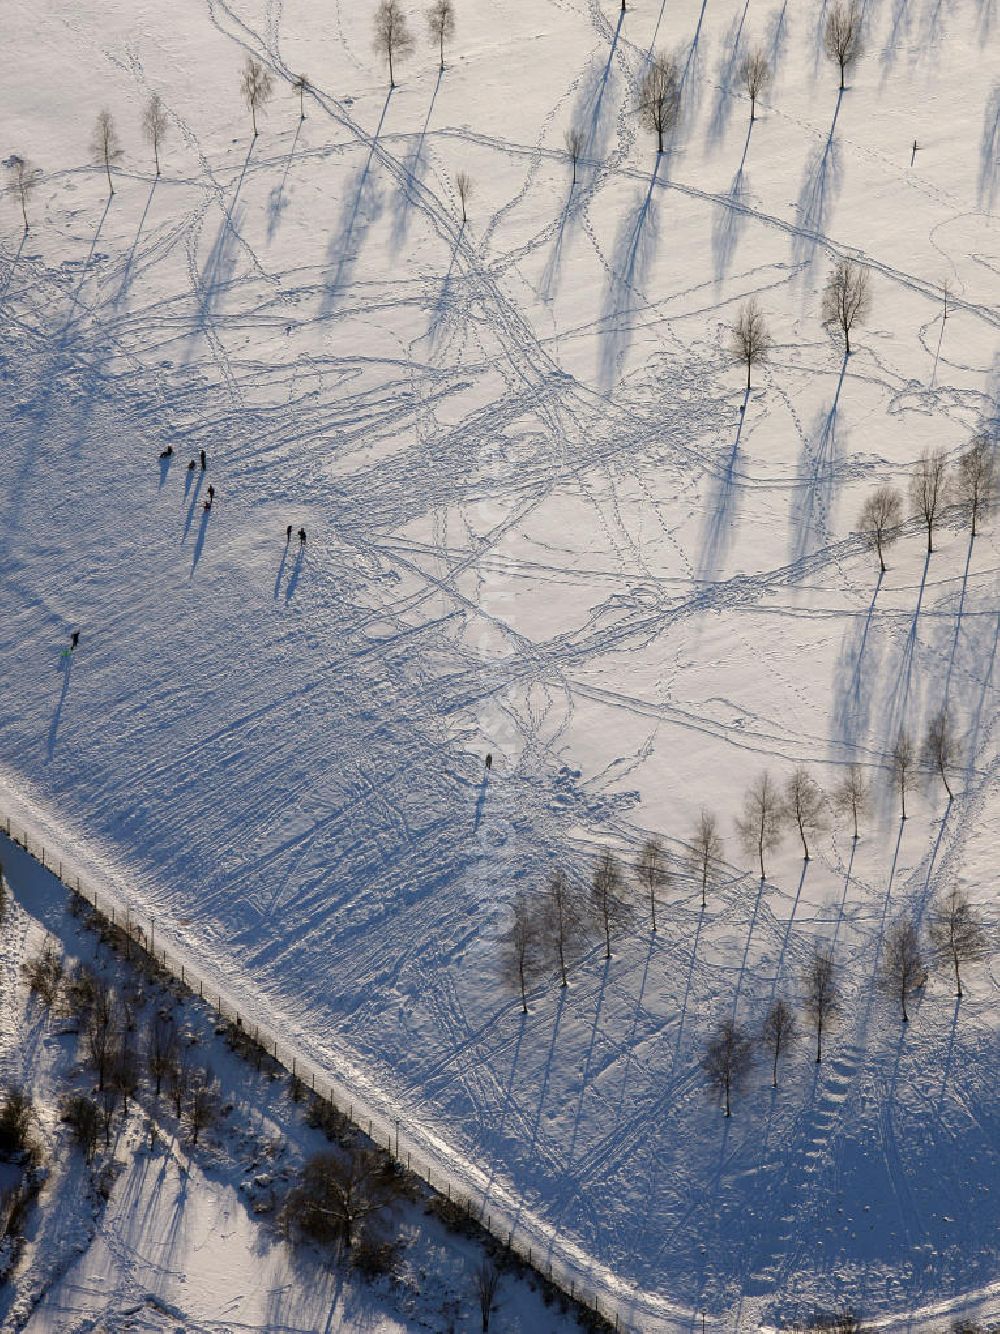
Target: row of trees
[956, 936]
[971, 486]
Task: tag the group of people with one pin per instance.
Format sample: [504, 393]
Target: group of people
[168, 453]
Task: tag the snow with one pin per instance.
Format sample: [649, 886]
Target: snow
[540, 526]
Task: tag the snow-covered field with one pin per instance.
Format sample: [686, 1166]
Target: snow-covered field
[536, 527]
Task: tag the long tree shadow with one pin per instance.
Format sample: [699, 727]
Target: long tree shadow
[12, 268]
[730, 216]
[192, 506]
[949, 1057]
[633, 254]
[816, 475]
[444, 302]
[958, 624]
[276, 202]
[852, 686]
[898, 697]
[362, 206]
[413, 166]
[722, 104]
[66, 668]
[549, 1062]
[220, 265]
[587, 1063]
[722, 510]
[820, 182]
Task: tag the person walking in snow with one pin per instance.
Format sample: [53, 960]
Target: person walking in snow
[288, 534]
[74, 639]
[211, 494]
[167, 453]
[204, 461]
[489, 761]
[302, 536]
[191, 466]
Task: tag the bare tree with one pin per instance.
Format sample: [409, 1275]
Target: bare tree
[487, 1280]
[573, 139]
[755, 76]
[847, 298]
[750, 341]
[842, 37]
[927, 489]
[154, 126]
[109, 1099]
[161, 1048]
[607, 897]
[102, 1032]
[902, 759]
[762, 825]
[392, 33]
[257, 87]
[651, 870]
[822, 994]
[338, 1194]
[124, 1073]
[881, 515]
[105, 144]
[23, 178]
[660, 98]
[463, 184]
[975, 481]
[441, 21]
[728, 1060]
[778, 1031]
[562, 919]
[940, 748]
[957, 934]
[203, 1103]
[852, 795]
[706, 849]
[301, 86]
[178, 1076]
[804, 804]
[903, 968]
[522, 944]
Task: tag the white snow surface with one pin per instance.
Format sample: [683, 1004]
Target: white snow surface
[538, 525]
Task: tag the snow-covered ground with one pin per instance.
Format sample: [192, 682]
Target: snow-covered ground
[538, 525]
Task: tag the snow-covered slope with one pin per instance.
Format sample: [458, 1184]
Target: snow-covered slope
[538, 525]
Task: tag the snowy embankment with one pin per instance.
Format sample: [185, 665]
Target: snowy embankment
[538, 525]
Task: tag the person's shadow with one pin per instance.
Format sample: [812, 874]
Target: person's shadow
[296, 572]
[66, 667]
[281, 569]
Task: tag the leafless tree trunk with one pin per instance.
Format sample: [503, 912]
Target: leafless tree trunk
[940, 750]
[574, 146]
[607, 897]
[880, 518]
[755, 76]
[24, 178]
[853, 796]
[392, 33]
[927, 489]
[300, 86]
[651, 870]
[463, 184]
[842, 38]
[125, 1073]
[728, 1060]
[109, 1098]
[257, 87]
[162, 1048]
[804, 803]
[203, 1103]
[154, 126]
[105, 144]
[522, 943]
[706, 849]
[660, 98]
[763, 823]
[957, 934]
[902, 964]
[562, 919]
[902, 765]
[441, 21]
[487, 1280]
[750, 340]
[822, 995]
[102, 1032]
[779, 1030]
[847, 298]
[178, 1076]
[975, 482]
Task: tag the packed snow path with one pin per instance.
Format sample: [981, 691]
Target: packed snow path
[539, 525]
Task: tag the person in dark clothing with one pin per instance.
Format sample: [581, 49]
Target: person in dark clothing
[489, 761]
[167, 453]
[204, 461]
[211, 494]
[191, 466]
[74, 639]
[302, 536]
[288, 533]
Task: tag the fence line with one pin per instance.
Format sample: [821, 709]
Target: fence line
[385, 1135]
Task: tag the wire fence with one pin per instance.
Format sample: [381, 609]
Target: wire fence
[387, 1135]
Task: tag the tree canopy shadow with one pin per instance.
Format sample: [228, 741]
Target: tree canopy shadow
[722, 104]
[413, 166]
[721, 511]
[989, 152]
[820, 182]
[66, 669]
[816, 474]
[852, 686]
[635, 246]
[276, 202]
[361, 208]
